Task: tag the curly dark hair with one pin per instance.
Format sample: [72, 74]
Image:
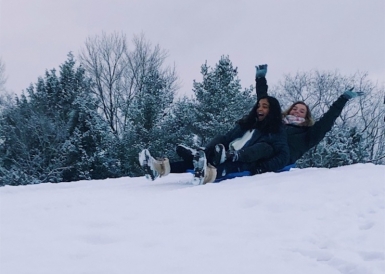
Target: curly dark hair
[271, 124]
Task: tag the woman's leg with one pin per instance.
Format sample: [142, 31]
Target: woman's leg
[256, 152]
[181, 166]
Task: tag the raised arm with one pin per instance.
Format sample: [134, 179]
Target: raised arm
[260, 81]
[318, 131]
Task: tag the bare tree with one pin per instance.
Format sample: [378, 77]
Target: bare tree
[6, 99]
[3, 78]
[370, 113]
[317, 88]
[119, 75]
[105, 60]
[146, 72]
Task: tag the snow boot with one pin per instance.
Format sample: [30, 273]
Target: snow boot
[219, 155]
[211, 174]
[153, 168]
[203, 173]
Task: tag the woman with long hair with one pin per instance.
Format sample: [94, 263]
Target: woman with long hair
[234, 151]
[302, 132]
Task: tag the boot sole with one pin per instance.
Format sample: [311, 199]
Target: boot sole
[200, 163]
[144, 158]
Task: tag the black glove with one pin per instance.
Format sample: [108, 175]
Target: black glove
[260, 71]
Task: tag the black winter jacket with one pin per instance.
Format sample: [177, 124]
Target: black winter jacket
[302, 138]
[250, 152]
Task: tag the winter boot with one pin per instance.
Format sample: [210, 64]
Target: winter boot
[200, 164]
[219, 154]
[153, 168]
[211, 174]
[185, 152]
[203, 173]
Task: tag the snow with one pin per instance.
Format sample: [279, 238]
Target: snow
[312, 220]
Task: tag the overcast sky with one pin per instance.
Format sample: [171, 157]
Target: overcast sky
[289, 35]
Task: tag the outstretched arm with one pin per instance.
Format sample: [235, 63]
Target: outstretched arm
[260, 81]
[318, 131]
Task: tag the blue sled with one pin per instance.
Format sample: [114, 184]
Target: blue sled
[244, 173]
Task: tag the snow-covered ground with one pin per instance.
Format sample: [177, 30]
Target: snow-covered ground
[310, 221]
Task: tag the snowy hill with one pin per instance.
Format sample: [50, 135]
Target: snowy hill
[310, 221]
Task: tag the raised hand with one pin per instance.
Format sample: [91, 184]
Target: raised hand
[350, 94]
[260, 71]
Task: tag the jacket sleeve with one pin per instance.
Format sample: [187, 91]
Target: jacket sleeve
[261, 87]
[281, 153]
[222, 139]
[318, 131]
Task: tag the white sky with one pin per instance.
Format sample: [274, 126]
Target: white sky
[289, 35]
[313, 220]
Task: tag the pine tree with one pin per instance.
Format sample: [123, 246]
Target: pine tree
[219, 100]
[89, 150]
[55, 133]
[178, 127]
[30, 145]
[341, 146]
[147, 116]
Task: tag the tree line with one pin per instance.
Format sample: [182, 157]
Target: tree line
[90, 118]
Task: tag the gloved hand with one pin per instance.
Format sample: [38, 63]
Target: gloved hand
[260, 71]
[349, 94]
[232, 155]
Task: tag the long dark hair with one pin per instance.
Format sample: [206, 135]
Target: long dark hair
[272, 121]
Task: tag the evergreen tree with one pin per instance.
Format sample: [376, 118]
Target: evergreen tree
[147, 116]
[178, 127]
[30, 146]
[219, 100]
[89, 150]
[55, 133]
[341, 146]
